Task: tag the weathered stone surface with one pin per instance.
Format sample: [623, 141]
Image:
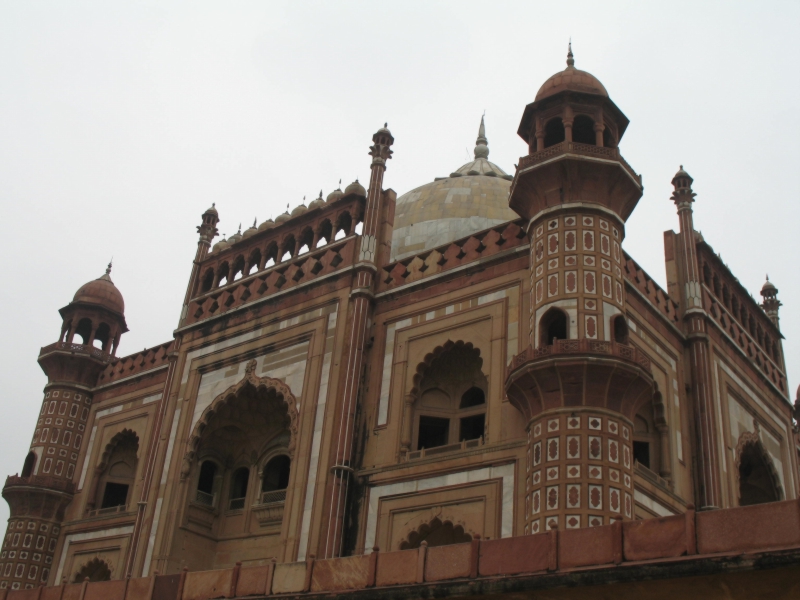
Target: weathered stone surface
[761, 526]
[289, 578]
[448, 562]
[252, 581]
[139, 589]
[106, 590]
[527, 554]
[664, 537]
[340, 574]
[397, 568]
[582, 547]
[203, 585]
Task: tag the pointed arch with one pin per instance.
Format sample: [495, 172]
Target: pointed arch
[250, 380]
[756, 474]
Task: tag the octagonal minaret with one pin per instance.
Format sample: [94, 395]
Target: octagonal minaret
[92, 326]
[580, 382]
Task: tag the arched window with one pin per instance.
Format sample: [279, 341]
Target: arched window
[117, 471]
[206, 484]
[83, 330]
[554, 132]
[30, 463]
[222, 274]
[620, 328]
[451, 407]
[239, 481]
[208, 281]
[324, 233]
[94, 570]
[554, 325]
[757, 479]
[343, 224]
[254, 261]
[287, 250]
[238, 268]
[306, 240]
[271, 255]
[583, 130]
[101, 336]
[275, 479]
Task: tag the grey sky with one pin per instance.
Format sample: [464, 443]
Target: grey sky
[120, 122]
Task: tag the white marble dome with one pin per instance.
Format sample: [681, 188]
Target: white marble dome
[472, 198]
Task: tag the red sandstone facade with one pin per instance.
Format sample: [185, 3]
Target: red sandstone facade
[341, 382]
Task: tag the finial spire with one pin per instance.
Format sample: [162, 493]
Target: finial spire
[240, 228]
[108, 268]
[255, 220]
[482, 144]
[570, 57]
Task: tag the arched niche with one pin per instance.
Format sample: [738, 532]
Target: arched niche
[94, 570]
[448, 401]
[757, 478]
[436, 533]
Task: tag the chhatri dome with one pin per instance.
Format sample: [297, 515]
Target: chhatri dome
[102, 292]
[571, 79]
[474, 197]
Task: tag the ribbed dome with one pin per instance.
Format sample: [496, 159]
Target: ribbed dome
[473, 198]
[102, 292]
[317, 202]
[266, 225]
[335, 194]
[299, 210]
[282, 218]
[571, 79]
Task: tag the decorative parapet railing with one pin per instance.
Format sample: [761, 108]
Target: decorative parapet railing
[111, 510]
[282, 276]
[127, 366]
[682, 549]
[55, 484]
[438, 450]
[565, 148]
[577, 347]
[454, 254]
[638, 278]
[77, 349]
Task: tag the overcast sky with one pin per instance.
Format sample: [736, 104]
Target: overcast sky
[121, 122]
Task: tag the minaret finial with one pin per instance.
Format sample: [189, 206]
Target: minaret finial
[482, 144]
[108, 268]
[570, 57]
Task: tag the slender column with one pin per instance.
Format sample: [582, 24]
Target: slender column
[207, 231]
[694, 318]
[359, 319]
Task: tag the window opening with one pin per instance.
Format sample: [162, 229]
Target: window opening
[620, 330]
[474, 396]
[239, 488]
[553, 132]
[553, 326]
[205, 483]
[583, 130]
[30, 463]
[472, 427]
[756, 482]
[115, 494]
[641, 453]
[433, 432]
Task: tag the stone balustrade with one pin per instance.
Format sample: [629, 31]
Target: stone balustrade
[666, 547]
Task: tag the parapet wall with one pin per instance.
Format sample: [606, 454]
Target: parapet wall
[670, 541]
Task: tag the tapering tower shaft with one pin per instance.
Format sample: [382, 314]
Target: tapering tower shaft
[709, 485]
[359, 318]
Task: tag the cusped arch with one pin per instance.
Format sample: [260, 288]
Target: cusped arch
[437, 532]
[94, 570]
[250, 379]
[752, 441]
[115, 441]
[430, 358]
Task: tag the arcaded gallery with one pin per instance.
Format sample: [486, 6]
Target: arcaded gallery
[469, 389]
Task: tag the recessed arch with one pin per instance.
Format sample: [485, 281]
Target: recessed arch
[272, 388]
[583, 130]
[554, 325]
[94, 570]
[758, 479]
[436, 533]
[554, 132]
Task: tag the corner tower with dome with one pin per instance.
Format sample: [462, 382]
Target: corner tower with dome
[423, 395]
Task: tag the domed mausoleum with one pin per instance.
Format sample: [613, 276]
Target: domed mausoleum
[471, 390]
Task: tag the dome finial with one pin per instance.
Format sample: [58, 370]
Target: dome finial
[570, 57]
[482, 144]
[108, 268]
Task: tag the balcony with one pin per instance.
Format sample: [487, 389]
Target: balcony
[110, 510]
[579, 372]
[37, 482]
[575, 148]
[270, 509]
[449, 448]
[77, 349]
